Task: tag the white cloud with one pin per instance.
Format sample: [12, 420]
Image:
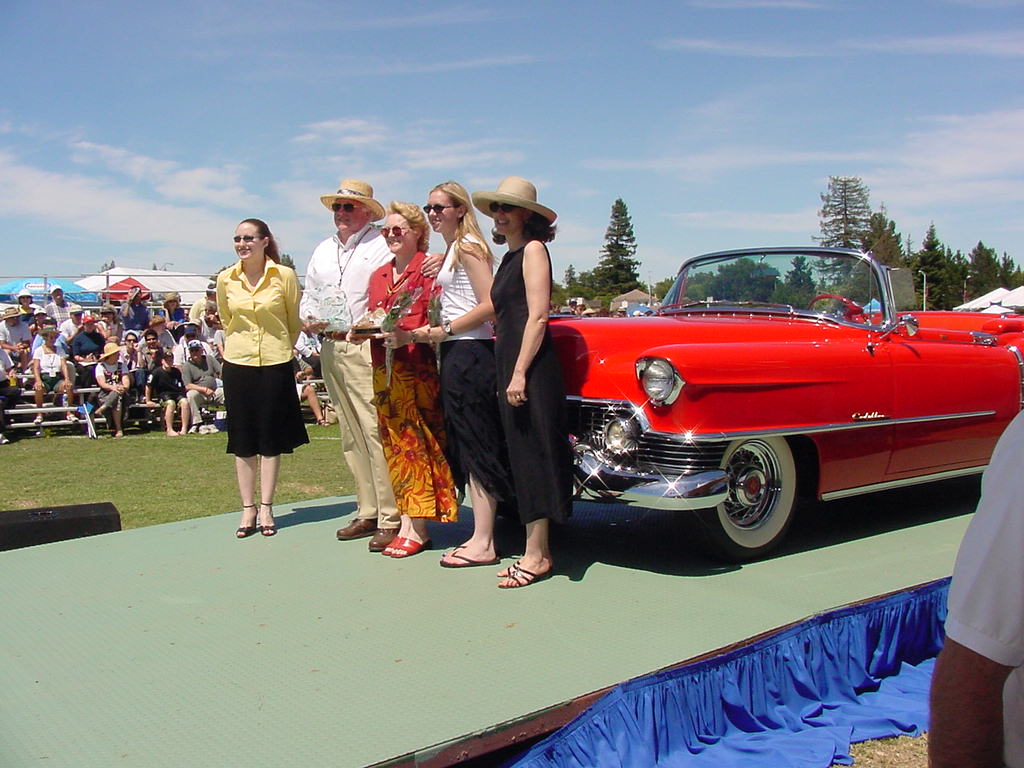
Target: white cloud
[968, 158]
[105, 211]
[747, 49]
[1002, 44]
[345, 132]
[214, 186]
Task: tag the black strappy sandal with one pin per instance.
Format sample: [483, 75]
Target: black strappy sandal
[246, 531]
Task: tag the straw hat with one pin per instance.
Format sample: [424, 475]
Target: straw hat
[172, 296]
[10, 312]
[357, 192]
[110, 348]
[516, 191]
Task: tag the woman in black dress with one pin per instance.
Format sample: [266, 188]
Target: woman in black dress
[531, 395]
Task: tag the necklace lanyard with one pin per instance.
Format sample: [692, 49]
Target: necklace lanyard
[341, 269]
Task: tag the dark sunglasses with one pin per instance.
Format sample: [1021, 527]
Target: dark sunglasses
[394, 231]
[346, 207]
[437, 208]
[244, 238]
[503, 207]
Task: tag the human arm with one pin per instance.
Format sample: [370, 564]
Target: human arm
[481, 276]
[431, 266]
[537, 279]
[292, 302]
[966, 700]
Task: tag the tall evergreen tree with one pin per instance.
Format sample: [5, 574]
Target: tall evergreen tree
[933, 260]
[983, 272]
[845, 213]
[883, 240]
[616, 272]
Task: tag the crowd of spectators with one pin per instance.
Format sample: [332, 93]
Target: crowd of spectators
[163, 357]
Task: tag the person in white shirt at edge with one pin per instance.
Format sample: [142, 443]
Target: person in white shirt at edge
[977, 695]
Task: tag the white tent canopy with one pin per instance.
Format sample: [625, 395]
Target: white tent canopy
[1014, 298]
[191, 286]
[994, 296]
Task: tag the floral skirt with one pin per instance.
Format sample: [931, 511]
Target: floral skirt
[412, 432]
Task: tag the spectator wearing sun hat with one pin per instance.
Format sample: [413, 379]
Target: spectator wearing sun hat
[73, 325]
[58, 307]
[173, 310]
[26, 307]
[110, 324]
[15, 337]
[114, 385]
[201, 373]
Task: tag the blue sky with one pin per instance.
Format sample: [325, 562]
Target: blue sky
[143, 132]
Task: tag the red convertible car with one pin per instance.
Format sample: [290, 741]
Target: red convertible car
[773, 374]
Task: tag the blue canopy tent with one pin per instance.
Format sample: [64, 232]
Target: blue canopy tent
[41, 287]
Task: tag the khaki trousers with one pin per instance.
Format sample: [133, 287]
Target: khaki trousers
[348, 374]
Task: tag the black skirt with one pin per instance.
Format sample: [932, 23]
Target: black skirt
[264, 418]
[476, 443]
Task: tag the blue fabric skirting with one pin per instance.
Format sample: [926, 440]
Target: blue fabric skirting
[797, 698]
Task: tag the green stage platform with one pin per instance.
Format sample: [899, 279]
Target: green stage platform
[176, 645]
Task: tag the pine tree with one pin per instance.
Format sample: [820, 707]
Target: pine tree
[983, 273]
[883, 240]
[616, 272]
[845, 213]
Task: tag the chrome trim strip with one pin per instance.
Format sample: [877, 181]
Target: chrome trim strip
[1020, 369]
[685, 438]
[889, 485]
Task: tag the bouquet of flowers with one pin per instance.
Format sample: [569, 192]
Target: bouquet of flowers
[434, 318]
[330, 305]
[399, 309]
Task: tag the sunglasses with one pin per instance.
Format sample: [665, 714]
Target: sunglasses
[394, 231]
[346, 207]
[437, 208]
[503, 207]
[245, 238]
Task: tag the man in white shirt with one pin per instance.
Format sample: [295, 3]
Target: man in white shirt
[977, 696]
[345, 261]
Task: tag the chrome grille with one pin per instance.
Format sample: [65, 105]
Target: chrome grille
[657, 451]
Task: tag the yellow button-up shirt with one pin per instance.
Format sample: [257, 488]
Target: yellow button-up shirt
[261, 322]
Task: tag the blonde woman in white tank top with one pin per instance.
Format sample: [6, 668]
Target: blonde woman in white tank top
[468, 389]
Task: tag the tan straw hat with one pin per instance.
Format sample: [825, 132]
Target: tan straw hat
[11, 312]
[110, 348]
[357, 192]
[516, 191]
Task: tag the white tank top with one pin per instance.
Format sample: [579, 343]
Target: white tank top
[457, 297]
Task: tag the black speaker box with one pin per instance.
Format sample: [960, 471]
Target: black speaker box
[26, 527]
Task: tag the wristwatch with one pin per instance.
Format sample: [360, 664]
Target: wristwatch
[446, 326]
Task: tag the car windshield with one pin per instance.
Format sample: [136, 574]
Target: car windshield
[843, 286]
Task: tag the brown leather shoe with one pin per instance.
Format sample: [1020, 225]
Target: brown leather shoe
[382, 538]
[357, 529]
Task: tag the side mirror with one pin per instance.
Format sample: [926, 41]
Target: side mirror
[908, 324]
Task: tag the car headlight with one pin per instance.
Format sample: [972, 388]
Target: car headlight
[660, 379]
[620, 436]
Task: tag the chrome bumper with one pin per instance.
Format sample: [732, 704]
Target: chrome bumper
[699, 490]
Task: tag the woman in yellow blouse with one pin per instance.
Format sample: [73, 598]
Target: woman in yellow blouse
[258, 302]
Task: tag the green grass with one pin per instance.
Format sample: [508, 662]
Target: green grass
[153, 479]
